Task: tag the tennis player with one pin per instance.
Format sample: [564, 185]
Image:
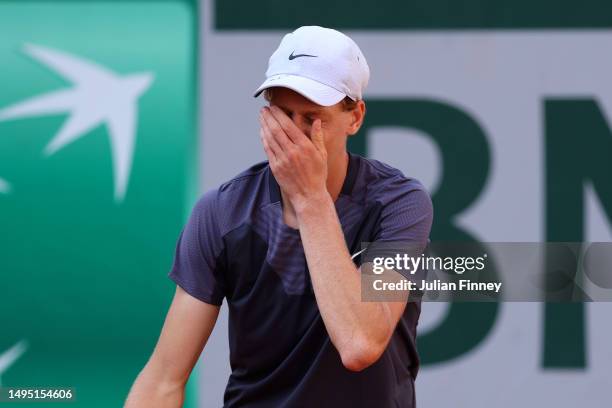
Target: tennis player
[276, 241]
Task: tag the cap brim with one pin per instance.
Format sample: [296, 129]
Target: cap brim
[317, 92]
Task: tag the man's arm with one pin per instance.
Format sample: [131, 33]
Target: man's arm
[360, 331]
[186, 329]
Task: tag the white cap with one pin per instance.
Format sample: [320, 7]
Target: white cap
[321, 64]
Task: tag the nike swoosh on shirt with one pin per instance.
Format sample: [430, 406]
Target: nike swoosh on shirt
[357, 253]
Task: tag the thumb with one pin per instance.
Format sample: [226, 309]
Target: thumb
[316, 135]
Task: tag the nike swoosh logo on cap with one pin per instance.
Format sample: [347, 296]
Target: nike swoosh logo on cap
[292, 57]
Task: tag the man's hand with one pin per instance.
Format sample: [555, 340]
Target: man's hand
[298, 163]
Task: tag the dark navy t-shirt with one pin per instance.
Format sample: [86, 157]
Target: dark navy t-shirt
[236, 246]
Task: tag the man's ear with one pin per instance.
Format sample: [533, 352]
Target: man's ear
[358, 114]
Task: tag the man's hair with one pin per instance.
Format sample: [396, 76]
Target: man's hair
[347, 103]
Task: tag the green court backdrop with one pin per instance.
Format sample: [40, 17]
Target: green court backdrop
[88, 228]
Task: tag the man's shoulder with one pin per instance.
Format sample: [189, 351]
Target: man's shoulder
[406, 206]
[231, 202]
[249, 178]
[383, 182]
[247, 181]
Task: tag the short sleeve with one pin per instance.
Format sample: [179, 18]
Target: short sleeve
[197, 267]
[406, 216]
[405, 221]
[402, 231]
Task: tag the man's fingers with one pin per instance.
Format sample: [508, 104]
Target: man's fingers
[292, 131]
[269, 152]
[270, 141]
[275, 130]
[316, 135]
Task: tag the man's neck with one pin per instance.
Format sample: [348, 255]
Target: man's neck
[337, 169]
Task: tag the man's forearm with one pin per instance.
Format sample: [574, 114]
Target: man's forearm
[149, 390]
[359, 330]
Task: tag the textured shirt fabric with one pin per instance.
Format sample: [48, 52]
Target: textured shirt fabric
[236, 246]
